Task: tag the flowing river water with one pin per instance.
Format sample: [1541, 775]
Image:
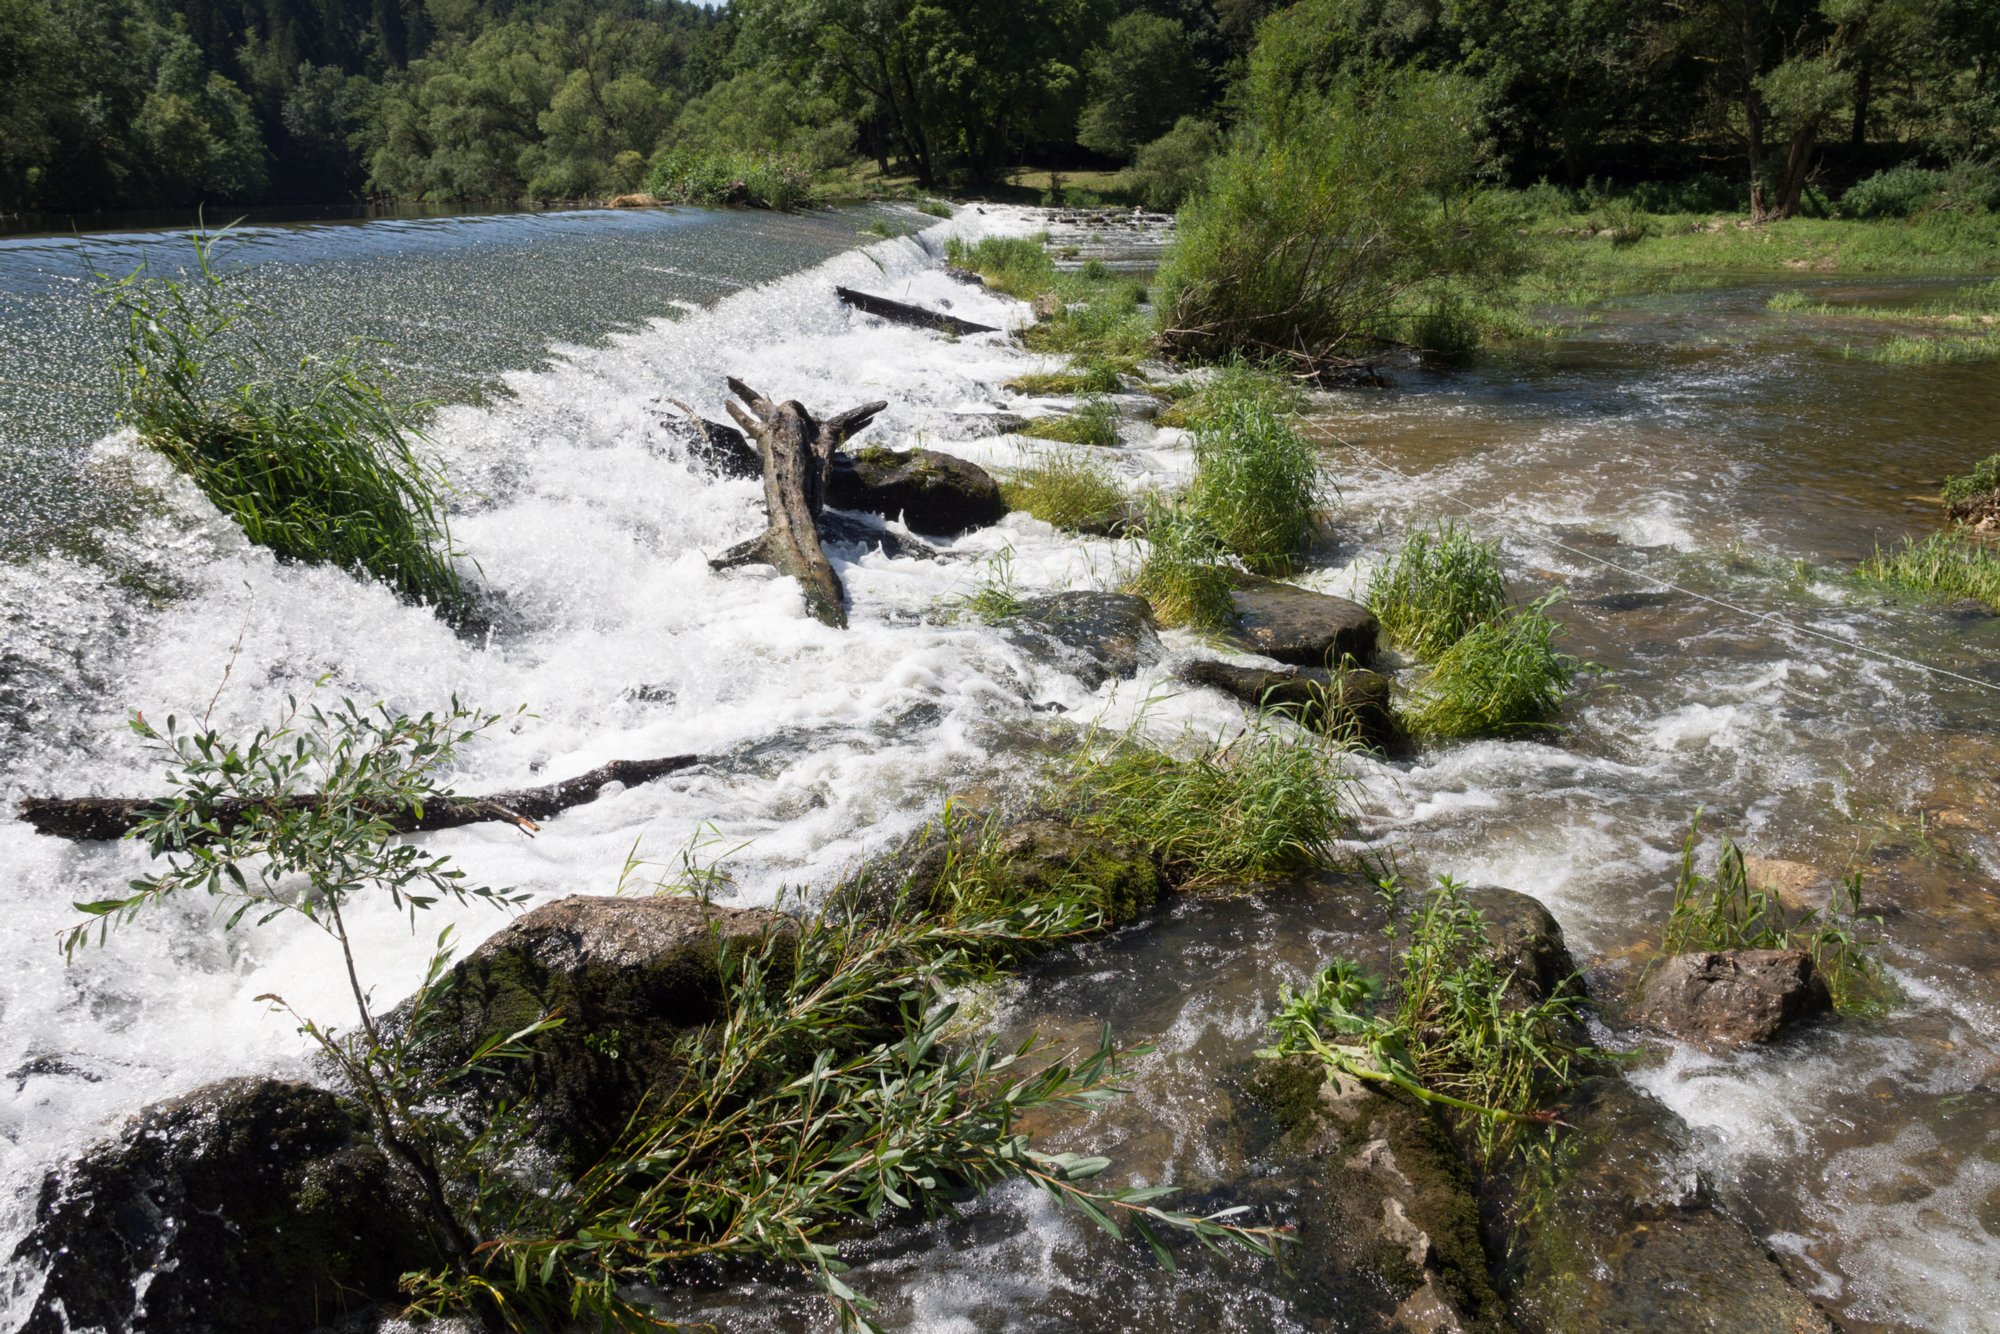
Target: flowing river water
[1697, 474]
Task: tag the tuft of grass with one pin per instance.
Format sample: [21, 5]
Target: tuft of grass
[1069, 489]
[1940, 567]
[1094, 422]
[312, 459]
[1013, 265]
[1257, 484]
[1269, 804]
[1725, 912]
[1937, 349]
[1185, 573]
[1459, 1034]
[1503, 675]
[1440, 586]
[934, 208]
[994, 602]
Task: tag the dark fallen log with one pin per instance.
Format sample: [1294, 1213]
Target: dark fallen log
[903, 313]
[88, 818]
[797, 451]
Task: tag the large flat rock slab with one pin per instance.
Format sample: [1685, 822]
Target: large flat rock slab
[1296, 625]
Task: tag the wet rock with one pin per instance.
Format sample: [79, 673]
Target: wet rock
[1296, 625]
[933, 492]
[1732, 997]
[1525, 939]
[1037, 855]
[1797, 884]
[1969, 609]
[714, 447]
[1095, 636]
[1351, 703]
[864, 533]
[966, 276]
[1636, 601]
[1387, 1222]
[1047, 306]
[1627, 1237]
[253, 1204]
[630, 977]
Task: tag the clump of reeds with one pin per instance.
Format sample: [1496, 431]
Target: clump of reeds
[1256, 484]
[1437, 588]
[1185, 573]
[1503, 675]
[1070, 489]
[1943, 565]
[1094, 422]
[1726, 912]
[1459, 1032]
[313, 458]
[1268, 804]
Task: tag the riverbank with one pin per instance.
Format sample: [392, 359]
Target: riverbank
[596, 524]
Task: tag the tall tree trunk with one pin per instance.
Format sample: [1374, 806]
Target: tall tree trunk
[1864, 81]
[1798, 166]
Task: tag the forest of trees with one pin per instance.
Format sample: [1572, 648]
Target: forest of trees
[137, 103]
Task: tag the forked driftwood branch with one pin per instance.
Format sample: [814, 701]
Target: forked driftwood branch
[88, 818]
[797, 450]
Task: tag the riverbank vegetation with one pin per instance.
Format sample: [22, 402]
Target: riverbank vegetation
[314, 459]
[1938, 568]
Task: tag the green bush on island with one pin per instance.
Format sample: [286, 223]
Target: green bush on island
[758, 179]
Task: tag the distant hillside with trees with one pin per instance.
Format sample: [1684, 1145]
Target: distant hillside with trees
[1757, 104]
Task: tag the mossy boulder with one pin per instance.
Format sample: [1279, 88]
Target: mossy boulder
[253, 1204]
[934, 493]
[1386, 1215]
[631, 978]
[1296, 625]
[1525, 939]
[1627, 1237]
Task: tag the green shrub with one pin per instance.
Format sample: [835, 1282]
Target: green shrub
[1725, 912]
[1069, 489]
[1442, 584]
[1906, 191]
[1979, 484]
[1460, 1035]
[1256, 485]
[1270, 804]
[1174, 166]
[714, 177]
[1185, 573]
[1095, 422]
[311, 458]
[1502, 675]
[1336, 212]
[1939, 567]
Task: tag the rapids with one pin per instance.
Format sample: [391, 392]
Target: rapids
[1698, 443]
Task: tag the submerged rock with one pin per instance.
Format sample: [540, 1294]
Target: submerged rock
[1297, 625]
[1095, 636]
[1732, 997]
[933, 492]
[253, 1204]
[1627, 1238]
[1351, 703]
[629, 976]
[1387, 1222]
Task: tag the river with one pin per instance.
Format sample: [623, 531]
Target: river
[1694, 471]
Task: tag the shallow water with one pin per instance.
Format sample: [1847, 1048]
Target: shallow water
[1674, 450]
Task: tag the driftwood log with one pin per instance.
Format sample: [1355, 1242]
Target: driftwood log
[797, 450]
[900, 312]
[87, 818]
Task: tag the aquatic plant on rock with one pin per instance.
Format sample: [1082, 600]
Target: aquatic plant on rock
[1974, 497]
[1347, 703]
[1503, 676]
[1257, 485]
[1094, 422]
[1184, 572]
[1439, 586]
[1070, 490]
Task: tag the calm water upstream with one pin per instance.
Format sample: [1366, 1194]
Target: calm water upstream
[1705, 447]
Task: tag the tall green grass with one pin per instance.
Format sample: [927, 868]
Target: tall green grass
[1503, 675]
[1256, 485]
[1069, 489]
[312, 458]
[1271, 803]
[1442, 584]
[1094, 422]
[688, 175]
[1185, 573]
[1942, 566]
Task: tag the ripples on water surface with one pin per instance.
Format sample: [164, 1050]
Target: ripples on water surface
[1690, 438]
